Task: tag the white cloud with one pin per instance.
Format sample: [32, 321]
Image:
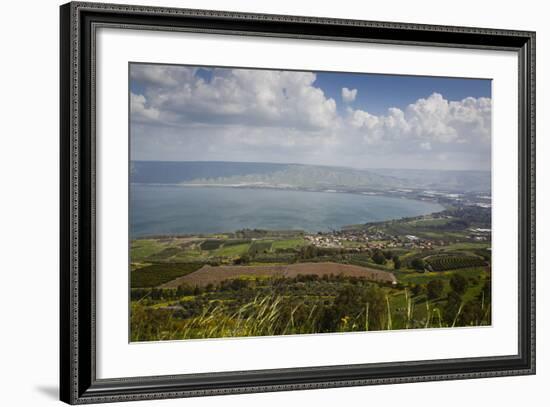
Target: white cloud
[139, 111]
[161, 75]
[349, 95]
[429, 121]
[180, 113]
[254, 97]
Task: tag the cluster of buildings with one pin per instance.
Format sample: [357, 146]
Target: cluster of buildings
[327, 240]
[362, 241]
[480, 234]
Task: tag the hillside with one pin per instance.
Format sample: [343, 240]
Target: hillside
[217, 173]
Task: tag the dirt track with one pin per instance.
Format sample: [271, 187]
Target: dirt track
[214, 275]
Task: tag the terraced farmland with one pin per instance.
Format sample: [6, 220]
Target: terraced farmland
[443, 263]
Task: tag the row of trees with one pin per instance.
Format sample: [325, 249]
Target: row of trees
[383, 256]
[435, 288]
[311, 252]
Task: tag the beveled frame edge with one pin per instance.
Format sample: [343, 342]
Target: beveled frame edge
[78, 383]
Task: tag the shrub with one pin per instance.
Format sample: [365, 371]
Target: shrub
[435, 289]
[378, 257]
[459, 283]
[418, 264]
[417, 289]
[396, 262]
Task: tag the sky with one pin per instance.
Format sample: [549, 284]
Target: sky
[360, 120]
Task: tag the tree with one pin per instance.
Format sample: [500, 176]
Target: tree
[396, 262]
[435, 289]
[351, 305]
[244, 259]
[417, 289]
[239, 284]
[184, 289]
[418, 264]
[388, 254]
[328, 320]
[349, 301]
[459, 284]
[378, 257]
[308, 252]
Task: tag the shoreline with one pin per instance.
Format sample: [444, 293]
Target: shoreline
[389, 193]
[443, 201]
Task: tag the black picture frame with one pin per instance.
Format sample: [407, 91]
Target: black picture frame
[78, 382]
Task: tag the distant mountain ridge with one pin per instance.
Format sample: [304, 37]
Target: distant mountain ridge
[176, 172]
[308, 176]
[455, 180]
[218, 173]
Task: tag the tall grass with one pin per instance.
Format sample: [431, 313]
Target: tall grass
[261, 317]
[271, 315]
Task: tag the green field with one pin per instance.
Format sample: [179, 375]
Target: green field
[141, 249]
[234, 242]
[232, 250]
[260, 246]
[156, 274]
[288, 243]
[211, 244]
[426, 223]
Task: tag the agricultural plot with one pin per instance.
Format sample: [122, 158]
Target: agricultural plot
[428, 223]
[231, 250]
[235, 242]
[260, 246]
[143, 248]
[156, 274]
[275, 257]
[446, 262]
[211, 244]
[413, 277]
[288, 244]
[214, 275]
[468, 246]
[164, 254]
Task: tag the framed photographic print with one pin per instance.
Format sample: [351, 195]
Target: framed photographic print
[255, 203]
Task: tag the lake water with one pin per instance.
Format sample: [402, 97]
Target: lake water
[160, 210]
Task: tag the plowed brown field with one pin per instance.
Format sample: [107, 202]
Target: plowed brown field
[214, 275]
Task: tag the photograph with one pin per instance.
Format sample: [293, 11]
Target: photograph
[268, 202]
